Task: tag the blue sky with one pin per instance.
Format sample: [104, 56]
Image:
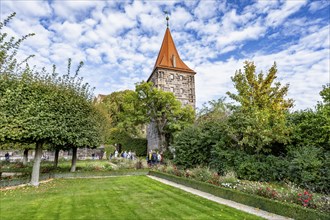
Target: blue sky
[119, 40]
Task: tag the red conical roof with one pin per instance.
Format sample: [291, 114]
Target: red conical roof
[168, 56]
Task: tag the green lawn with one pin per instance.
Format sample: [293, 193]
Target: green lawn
[133, 197]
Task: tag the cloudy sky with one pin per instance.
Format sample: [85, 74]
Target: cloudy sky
[119, 40]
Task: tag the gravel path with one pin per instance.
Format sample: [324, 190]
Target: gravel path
[245, 208]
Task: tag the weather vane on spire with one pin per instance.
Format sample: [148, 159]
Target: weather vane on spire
[167, 18]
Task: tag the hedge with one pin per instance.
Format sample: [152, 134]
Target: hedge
[289, 210]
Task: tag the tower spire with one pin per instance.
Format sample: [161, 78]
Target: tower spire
[167, 18]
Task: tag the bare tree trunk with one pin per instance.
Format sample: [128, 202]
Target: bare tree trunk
[36, 164]
[57, 151]
[162, 142]
[74, 159]
[25, 157]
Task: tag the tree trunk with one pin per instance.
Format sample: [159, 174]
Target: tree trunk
[36, 165]
[25, 157]
[74, 159]
[162, 142]
[57, 151]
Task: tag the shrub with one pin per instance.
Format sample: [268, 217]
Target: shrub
[201, 174]
[138, 164]
[129, 143]
[305, 167]
[193, 146]
[107, 167]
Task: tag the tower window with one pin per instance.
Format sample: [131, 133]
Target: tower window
[172, 89]
[181, 91]
[171, 76]
[181, 77]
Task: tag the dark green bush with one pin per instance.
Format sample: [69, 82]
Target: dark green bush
[309, 168]
[193, 145]
[128, 143]
[138, 145]
[188, 148]
[263, 168]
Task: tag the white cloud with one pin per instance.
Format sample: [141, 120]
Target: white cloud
[180, 17]
[119, 41]
[69, 31]
[206, 9]
[318, 5]
[30, 9]
[114, 23]
[277, 16]
[72, 10]
[248, 33]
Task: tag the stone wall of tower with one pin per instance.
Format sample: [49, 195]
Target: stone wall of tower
[182, 84]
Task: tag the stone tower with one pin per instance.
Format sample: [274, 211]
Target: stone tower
[171, 74]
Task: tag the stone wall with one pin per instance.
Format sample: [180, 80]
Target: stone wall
[182, 84]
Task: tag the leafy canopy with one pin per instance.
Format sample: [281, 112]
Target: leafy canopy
[259, 122]
[163, 109]
[256, 91]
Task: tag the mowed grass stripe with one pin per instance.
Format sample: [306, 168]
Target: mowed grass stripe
[186, 207]
[202, 209]
[129, 197]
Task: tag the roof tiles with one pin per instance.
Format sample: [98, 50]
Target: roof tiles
[168, 56]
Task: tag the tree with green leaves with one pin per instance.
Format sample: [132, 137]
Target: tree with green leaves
[311, 127]
[120, 108]
[259, 123]
[124, 127]
[163, 110]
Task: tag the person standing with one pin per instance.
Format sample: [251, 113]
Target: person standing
[159, 158]
[7, 157]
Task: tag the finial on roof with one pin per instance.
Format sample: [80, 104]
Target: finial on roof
[167, 18]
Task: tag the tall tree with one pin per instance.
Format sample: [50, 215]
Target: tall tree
[162, 109]
[259, 123]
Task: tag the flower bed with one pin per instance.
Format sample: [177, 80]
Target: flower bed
[283, 192]
[273, 206]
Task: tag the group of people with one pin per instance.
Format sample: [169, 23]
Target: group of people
[154, 157]
[130, 155]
